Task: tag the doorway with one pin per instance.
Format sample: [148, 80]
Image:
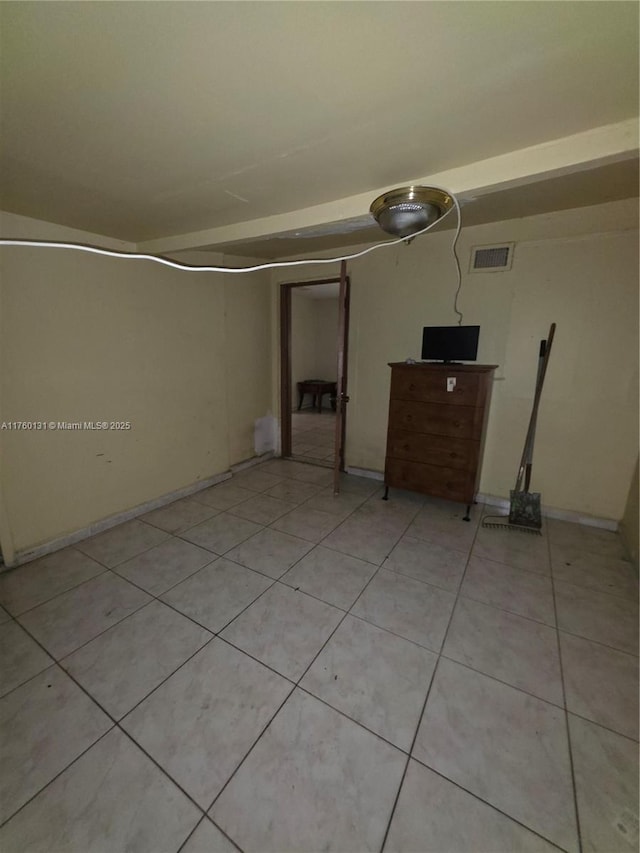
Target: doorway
[314, 335]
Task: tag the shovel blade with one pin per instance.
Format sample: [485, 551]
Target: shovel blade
[525, 510]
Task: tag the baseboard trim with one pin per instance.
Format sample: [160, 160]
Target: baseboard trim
[100, 526]
[253, 460]
[503, 503]
[365, 472]
[558, 514]
[103, 524]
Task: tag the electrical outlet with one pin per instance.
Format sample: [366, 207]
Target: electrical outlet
[451, 383]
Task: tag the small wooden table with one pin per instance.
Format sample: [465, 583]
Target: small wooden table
[317, 387]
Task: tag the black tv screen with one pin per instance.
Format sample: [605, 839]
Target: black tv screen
[450, 343]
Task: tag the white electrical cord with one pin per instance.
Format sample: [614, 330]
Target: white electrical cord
[112, 253]
[457, 260]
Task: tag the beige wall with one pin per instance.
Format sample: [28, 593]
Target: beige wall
[247, 358]
[303, 343]
[631, 521]
[577, 268]
[326, 332]
[183, 357]
[314, 330]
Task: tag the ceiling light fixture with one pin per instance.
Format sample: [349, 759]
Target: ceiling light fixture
[406, 211]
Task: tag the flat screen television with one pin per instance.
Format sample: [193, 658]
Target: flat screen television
[450, 343]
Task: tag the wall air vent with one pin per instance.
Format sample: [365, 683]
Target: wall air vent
[491, 258]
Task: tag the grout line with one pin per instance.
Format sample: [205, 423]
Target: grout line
[100, 633]
[597, 643]
[219, 828]
[602, 726]
[235, 545]
[206, 819]
[344, 714]
[52, 780]
[252, 747]
[181, 529]
[500, 681]
[295, 685]
[157, 686]
[58, 662]
[153, 597]
[257, 660]
[58, 594]
[217, 633]
[116, 725]
[426, 699]
[115, 720]
[393, 633]
[566, 716]
[406, 766]
[502, 609]
[488, 803]
[199, 823]
[159, 766]
[598, 592]
[310, 594]
[623, 596]
[516, 568]
[173, 585]
[29, 678]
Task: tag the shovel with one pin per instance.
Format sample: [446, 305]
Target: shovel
[524, 508]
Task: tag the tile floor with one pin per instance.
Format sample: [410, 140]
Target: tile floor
[312, 434]
[265, 667]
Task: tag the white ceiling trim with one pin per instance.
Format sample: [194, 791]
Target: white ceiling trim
[17, 227]
[588, 149]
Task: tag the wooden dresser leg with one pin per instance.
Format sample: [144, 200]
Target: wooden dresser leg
[467, 517]
[385, 497]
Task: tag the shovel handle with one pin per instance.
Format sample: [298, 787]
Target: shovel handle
[531, 431]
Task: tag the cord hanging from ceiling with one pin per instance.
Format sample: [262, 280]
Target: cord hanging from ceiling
[428, 205]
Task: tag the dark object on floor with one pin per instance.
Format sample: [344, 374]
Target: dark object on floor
[317, 388]
[524, 508]
[501, 522]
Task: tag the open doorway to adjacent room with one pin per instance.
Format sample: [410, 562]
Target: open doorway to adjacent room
[314, 341]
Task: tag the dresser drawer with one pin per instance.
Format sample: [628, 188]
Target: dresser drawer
[435, 419]
[449, 483]
[430, 386]
[435, 437]
[433, 449]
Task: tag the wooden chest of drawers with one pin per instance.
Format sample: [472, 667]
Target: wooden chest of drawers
[437, 420]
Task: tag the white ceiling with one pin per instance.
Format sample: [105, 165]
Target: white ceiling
[181, 125]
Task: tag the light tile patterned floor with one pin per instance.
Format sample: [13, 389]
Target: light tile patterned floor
[313, 435]
[265, 667]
